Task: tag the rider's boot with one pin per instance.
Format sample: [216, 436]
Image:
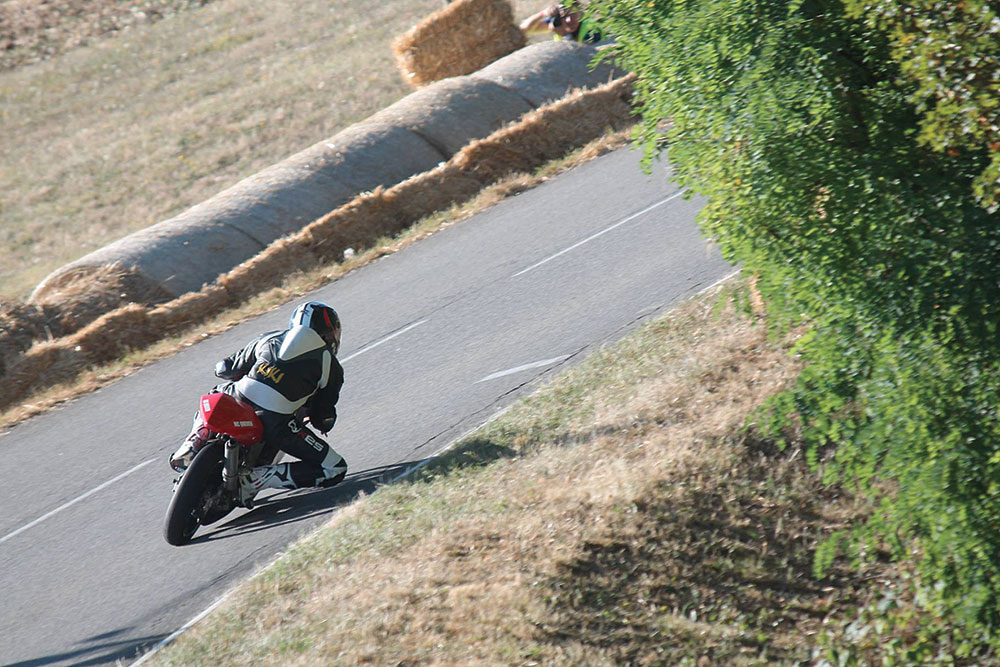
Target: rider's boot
[283, 476]
[265, 477]
[182, 458]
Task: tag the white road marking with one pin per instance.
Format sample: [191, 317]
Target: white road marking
[600, 233]
[535, 364]
[184, 628]
[372, 346]
[718, 282]
[74, 501]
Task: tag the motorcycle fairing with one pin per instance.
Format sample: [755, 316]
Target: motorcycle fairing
[224, 414]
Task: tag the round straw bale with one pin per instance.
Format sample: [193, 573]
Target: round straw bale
[273, 203]
[83, 294]
[546, 71]
[460, 38]
[451, 113]
[373, 153]
[286, 197]
[180, 254]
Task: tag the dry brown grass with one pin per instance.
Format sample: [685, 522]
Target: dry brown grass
[620, 516]
[137, 125]
[36, 30]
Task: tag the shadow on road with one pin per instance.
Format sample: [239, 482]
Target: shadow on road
[102, 649]
[293, 506]
[282, 508]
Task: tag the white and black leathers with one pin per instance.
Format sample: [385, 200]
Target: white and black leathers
[282, 371]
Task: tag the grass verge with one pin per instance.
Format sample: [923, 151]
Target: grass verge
[623, 514]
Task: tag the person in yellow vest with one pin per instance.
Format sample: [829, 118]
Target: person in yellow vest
[564, 23]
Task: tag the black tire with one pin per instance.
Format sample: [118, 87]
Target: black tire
[201, 480]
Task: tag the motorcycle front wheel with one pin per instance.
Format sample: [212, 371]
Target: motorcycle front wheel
[193, 496]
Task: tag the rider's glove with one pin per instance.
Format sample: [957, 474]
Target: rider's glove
[324, 425]
[225, 371]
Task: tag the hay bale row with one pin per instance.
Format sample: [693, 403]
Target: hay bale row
[103, 340]
[20, 326]
[191, 249]
[190, 309]
[548, 133]
[450, 114]
[45, 365]
[546, 71]
[581, 117]
[463, 37]
[84, 295]
[180, 255]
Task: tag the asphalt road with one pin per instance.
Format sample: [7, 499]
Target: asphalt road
[437, 339]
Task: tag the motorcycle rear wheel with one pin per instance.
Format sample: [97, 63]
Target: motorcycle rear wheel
[192, 496]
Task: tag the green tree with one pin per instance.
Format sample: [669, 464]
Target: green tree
[833, 170]
[950, 51]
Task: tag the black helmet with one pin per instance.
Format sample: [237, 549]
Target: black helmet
[322, 319]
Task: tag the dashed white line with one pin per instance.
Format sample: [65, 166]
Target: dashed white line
[372, 346]
[534, 364]
[74, 501]
[600, 233]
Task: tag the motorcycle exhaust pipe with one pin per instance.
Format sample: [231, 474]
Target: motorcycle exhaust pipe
[231, 469]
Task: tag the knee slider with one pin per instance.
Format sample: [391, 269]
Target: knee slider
[334, 474]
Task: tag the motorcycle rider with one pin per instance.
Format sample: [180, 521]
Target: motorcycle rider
[279, 373]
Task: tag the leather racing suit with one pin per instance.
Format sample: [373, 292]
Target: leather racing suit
[281, 372]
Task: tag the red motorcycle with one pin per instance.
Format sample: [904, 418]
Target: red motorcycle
[209, 488]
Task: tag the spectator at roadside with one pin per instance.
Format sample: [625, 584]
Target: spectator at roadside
[564, 23]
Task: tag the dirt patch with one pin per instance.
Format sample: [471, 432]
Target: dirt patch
[35, 30]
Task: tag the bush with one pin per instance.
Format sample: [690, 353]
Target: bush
[819, 145]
